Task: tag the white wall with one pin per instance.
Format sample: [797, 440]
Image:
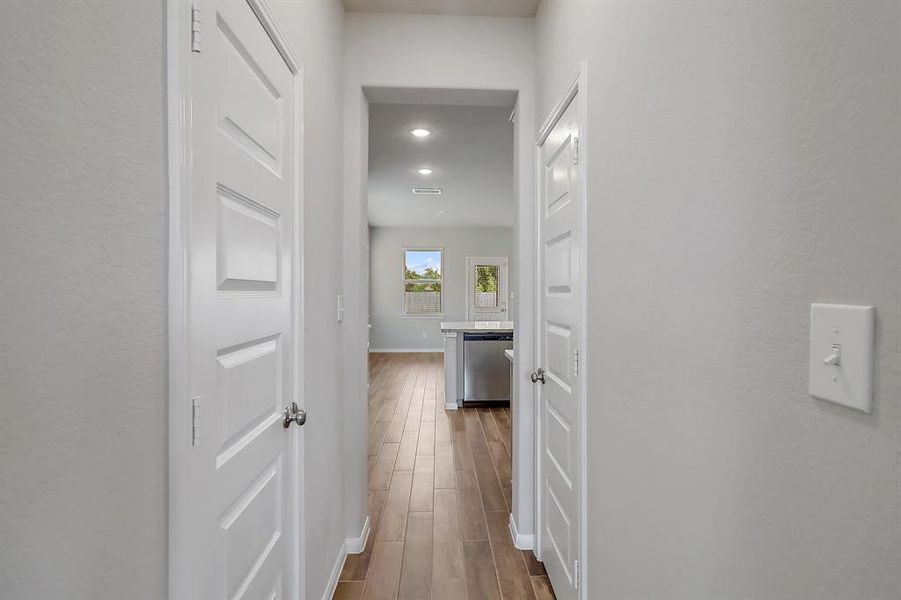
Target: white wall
[83, 429]
[743, 163]
[390, 329]
[83, 424]
[429, 51]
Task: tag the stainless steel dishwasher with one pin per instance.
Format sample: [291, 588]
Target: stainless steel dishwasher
[486, 371]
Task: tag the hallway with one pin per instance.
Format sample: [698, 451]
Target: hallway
[439, 495]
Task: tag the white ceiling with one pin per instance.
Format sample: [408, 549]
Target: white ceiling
[446, 96]
[482, 8]
[470, 152]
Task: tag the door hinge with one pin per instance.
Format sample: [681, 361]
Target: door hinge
[577, 574]
[195, 421]
[576, 365]
[575, 150]
[195, 28]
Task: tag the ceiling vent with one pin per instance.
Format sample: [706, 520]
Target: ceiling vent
[427, 191]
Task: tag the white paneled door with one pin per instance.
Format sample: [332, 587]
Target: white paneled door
[242, 499]
[560, 243]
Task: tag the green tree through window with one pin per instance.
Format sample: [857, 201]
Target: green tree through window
[486, 278]
[422, 282]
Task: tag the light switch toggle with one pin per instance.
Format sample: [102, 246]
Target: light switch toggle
[841, 354]
[834, 359]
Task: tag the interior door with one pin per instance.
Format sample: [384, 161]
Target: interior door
[243, 468]
[558, 338]
[486, 285]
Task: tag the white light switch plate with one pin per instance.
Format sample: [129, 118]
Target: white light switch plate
[844, 334]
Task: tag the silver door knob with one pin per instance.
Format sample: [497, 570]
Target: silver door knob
[294, 414]
[537, 376]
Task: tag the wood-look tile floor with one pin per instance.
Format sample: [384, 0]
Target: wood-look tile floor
[439, 495]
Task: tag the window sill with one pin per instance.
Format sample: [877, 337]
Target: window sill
[435, 316]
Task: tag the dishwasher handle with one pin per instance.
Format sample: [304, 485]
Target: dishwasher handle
[487, 337]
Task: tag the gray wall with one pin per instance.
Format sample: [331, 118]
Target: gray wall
[84, 422]
[83, 425]
[743, 163]
[391, 330]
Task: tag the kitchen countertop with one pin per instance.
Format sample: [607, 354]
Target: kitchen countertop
[475, 326]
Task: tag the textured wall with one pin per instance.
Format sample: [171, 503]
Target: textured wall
[390, 330]
[83, 233]
[83, 446]
[743, 163]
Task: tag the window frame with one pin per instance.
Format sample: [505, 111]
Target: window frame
[403, 282]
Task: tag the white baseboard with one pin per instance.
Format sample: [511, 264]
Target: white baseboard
[355, 545]
[352, 545]
[405, 350]
[520, 541]
[451, 406]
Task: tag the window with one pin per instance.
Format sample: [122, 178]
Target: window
[486, 284]
[486, 289]
[422, 282]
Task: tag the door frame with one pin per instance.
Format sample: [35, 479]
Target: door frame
[578, 85]
[179, 139]
[502, 260]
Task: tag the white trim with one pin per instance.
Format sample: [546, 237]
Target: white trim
[178, 114]
[560, 106]
[578, 85]
[277, 35]
[332, 584]
[179, 128]
[355, 545]
[405, 350]
[583, 154]
[520, 541]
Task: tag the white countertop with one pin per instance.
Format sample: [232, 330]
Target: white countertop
[509, 355]
[477, 326]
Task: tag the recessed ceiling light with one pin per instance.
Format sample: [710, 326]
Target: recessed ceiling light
[424, 171]
[420, 132]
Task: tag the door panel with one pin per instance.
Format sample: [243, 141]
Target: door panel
[250, 103]
[560, 313]
[250, 392]
[252, 533]
[248, 249]
[241, 312]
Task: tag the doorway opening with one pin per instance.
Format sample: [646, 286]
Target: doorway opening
[441, 209]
